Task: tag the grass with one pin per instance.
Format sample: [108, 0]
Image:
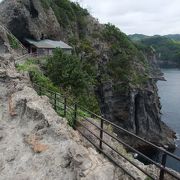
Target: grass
[13, 42]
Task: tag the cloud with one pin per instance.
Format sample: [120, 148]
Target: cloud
[138, 16]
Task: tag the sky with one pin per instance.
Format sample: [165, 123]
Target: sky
[148, 17]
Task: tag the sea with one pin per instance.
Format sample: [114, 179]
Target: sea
[169, 92]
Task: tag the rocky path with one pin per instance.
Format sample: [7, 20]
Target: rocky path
[11, 140]
[3, 110]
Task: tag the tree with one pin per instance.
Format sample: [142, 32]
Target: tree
[69, 72]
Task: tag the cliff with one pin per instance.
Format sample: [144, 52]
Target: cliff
[126, 91]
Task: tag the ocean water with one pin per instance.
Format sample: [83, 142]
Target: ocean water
[169, 92]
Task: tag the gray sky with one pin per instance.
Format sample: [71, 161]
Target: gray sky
[137, 16]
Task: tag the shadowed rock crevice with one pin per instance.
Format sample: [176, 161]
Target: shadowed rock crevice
[34, 13]
[137, 108]
[19, 28]
[2, 47]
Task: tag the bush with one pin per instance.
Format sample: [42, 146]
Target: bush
[46, 3]
[37, 75]
[123, 54]
[75, 76]
[67, 12]
[67, 71]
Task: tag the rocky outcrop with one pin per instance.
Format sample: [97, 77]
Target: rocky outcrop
[4, 43]
[139, 112]
[29, 19]
[152, 58]
[9, 43]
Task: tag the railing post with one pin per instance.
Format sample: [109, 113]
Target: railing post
[65, 102]
[55, 101]
[75, 116]
[101, 134]
[163, 163]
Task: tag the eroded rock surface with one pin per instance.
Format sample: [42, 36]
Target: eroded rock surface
[29, 19]
[4, 44]
[35, 143]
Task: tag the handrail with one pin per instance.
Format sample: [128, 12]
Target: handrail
[101, 150]
[75, 107]
[132, 134]
[129, 147]
[117, 152]
[29, 55]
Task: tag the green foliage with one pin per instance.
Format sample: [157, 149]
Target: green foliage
[68, 75]
[86, 46]
[148, 178]
[123, 54]
[67, 71]
[13, 42]
[63, 12]
[86, 51]
[37, 75]
[89, 101]
[46, 3]
[73, 41]
[176, 57]
[175, 37]
[68, 13]
[80, 15]
[113, 34]
[138, 78]
[137, 37]
[167, 49]
[75, 76]
[79, 10]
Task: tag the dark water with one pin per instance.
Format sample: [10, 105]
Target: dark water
[169, 92]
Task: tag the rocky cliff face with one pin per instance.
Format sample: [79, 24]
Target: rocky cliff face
[29, 19]
[139, 112]
[137, 108]
[155, 71]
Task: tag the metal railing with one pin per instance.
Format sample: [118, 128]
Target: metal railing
[77, 114]
[23, 58]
